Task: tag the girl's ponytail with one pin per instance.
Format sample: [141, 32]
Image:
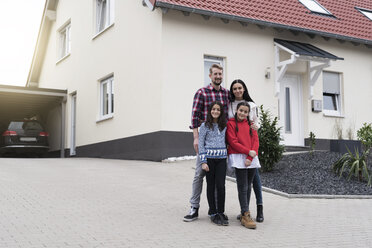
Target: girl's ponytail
[236, 122]
[250, 127]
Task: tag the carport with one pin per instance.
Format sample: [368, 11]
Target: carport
[46, 105]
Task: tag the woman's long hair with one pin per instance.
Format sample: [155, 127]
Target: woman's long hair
[246, 95]
[236, 117]
[221, 119]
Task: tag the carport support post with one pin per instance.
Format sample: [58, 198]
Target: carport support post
[63, 124]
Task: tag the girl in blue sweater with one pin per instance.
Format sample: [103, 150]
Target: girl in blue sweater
[213, 153]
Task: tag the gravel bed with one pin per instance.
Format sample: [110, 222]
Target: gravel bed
[304, 173]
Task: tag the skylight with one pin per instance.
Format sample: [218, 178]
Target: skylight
[367, 13]
[316, 7]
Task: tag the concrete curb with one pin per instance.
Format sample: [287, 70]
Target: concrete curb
[306, 196]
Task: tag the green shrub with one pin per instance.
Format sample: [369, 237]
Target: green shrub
[270, 150]
[355, 165]
[364, 134]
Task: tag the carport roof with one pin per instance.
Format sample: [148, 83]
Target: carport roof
[25, 102]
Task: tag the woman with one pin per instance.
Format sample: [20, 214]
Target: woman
[239, 93]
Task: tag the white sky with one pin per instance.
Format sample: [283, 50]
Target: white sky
[19, 24]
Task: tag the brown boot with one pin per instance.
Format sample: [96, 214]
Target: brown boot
[247, 221]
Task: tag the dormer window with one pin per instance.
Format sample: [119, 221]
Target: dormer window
[367, 13]
[315, 7]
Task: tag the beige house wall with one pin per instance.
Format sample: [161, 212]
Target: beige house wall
[126, 50]
[157, 63]
[248, 51]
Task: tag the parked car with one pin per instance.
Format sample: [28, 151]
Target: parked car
[26, 137]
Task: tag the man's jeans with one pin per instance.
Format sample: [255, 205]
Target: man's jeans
[197, 184]
[257, 187]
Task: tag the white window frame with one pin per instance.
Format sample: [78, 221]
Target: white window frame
[213, 60]
[64, 40]
[338, 97]
[315, 7]
[109, 81]
[366, 12]
[104, 17]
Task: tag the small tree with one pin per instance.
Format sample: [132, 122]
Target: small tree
[365, 135]
[270, 150]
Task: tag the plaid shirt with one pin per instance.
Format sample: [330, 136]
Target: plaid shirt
[202, 99]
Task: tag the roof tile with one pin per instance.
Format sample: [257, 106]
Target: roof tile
[347, 20]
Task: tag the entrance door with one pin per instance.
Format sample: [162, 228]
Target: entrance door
[291, 110]
[73, 126]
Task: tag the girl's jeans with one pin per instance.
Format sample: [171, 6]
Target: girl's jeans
[244, 178]
[216, 180]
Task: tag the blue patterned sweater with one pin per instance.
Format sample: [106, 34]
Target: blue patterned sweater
[212, 143]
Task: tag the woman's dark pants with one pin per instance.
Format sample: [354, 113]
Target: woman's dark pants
[244, 178]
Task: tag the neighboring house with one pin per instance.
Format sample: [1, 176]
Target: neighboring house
[131, 73]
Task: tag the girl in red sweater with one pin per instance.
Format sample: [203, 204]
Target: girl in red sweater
[243, 147]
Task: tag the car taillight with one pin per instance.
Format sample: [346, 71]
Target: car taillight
[44, 134]
[10, 133]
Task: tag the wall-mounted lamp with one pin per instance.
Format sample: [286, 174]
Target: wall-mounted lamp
[267, 73]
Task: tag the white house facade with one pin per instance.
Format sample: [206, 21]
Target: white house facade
[131, 69]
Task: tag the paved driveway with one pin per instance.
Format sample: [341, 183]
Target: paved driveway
[80, 202]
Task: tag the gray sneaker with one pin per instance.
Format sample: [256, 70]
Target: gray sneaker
[193, 215]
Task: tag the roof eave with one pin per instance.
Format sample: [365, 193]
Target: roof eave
[261, 23]
[53, 5]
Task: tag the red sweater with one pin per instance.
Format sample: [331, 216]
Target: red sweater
[241, 142]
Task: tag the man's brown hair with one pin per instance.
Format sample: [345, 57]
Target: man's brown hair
[215, 66]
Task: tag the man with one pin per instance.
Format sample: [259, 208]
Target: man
[203, 97]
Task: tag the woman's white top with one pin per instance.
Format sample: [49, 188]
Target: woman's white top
[238, 161]
[252, 114]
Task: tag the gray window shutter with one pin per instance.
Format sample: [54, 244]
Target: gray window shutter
[331, 83]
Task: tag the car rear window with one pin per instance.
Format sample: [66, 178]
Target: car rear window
[30, 125]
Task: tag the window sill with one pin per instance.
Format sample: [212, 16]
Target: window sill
[63, 58]
[102, 31]
[104, 118]
[337, 115]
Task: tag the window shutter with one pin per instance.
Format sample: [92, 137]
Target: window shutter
[331, 83]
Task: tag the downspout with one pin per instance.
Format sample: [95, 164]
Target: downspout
[63, 126]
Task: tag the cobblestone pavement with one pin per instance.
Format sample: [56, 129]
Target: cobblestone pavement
[79, 202]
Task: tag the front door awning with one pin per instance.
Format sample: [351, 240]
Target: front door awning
[304, 49]
[303, 52]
